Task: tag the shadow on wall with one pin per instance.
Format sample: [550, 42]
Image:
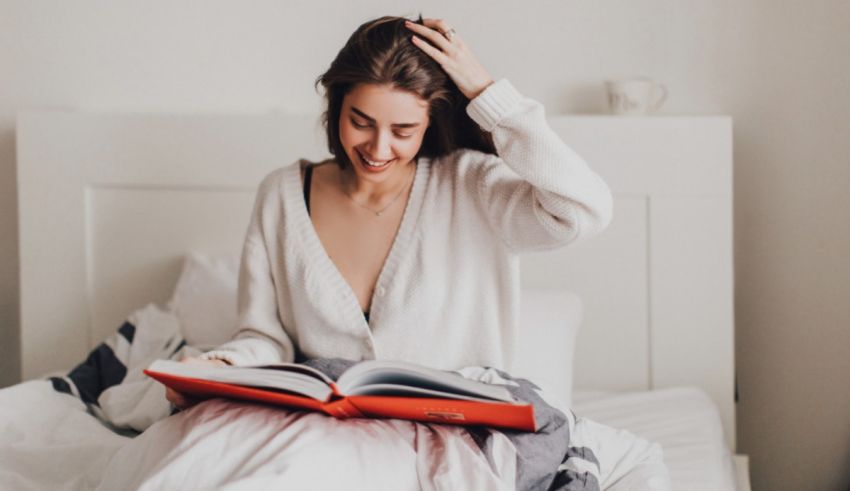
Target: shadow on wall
[10, 356]
[587, 99]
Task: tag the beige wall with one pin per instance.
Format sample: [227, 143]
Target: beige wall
[776, 66]
[792, 210]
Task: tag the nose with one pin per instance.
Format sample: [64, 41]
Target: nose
[379, 146]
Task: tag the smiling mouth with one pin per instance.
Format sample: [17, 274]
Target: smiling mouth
[373, 163]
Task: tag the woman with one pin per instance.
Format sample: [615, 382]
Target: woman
[404, 245]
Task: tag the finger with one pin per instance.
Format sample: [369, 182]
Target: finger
[172, 395]
[184, 402]
[176, 399]
[438, 24]
[436, 38]
[431, 51]
[443, 27]
[432, 35]
[179, 400]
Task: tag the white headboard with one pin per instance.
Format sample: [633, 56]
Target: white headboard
[110, 203]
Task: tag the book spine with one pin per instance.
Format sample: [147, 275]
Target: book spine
[448, 411]
[335, 393]
[341, 409]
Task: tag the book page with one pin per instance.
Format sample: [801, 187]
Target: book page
[304, 382]
[384, 377]
[395, 390]
[295, 367]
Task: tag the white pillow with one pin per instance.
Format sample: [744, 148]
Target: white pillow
[204, 299]
[548, 326]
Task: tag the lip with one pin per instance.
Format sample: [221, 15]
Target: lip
[369, 168]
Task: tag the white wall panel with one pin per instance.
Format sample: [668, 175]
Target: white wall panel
[138, 238]
[610, 275]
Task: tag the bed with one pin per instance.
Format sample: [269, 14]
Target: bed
[128, 196]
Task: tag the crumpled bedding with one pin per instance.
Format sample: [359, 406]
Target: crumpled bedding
[50, 441]
[92, 440]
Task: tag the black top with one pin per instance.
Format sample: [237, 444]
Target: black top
[308, 178]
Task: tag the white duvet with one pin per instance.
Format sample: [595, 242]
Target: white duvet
[229, 445]
[49, 441]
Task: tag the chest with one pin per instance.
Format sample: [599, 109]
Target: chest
[356, 240]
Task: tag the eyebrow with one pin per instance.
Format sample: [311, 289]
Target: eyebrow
[372, 120]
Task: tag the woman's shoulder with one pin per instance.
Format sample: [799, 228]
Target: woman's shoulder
[274, 185]
[464, 163]
[276, 180]
[280, 192]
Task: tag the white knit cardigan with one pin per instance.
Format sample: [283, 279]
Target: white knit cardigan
[448, 293]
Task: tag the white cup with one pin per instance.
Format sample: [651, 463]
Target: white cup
[635, 96]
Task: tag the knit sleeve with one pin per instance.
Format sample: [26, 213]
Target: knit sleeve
[260, 338]
[538, 193]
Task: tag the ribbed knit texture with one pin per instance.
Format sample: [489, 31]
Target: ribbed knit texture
[448, 293]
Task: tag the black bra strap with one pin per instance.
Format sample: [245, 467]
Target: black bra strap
[308, 176]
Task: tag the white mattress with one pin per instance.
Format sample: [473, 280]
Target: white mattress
[684, 421]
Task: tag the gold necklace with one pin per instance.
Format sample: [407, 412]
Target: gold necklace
[378, 213]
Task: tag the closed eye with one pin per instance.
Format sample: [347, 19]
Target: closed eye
[361, 126]
[358, 125]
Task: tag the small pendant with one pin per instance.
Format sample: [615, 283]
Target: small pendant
[377, 213]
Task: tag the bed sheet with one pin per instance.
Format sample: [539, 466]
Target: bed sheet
[683, 420]
[49, 440]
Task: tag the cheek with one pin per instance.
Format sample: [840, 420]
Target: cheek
[347, 135]
[411, 147]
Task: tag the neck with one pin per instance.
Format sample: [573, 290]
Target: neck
[377, 194]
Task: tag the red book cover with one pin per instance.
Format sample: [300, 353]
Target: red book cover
[498, 414]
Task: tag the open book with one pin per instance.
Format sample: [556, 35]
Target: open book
[369, 389]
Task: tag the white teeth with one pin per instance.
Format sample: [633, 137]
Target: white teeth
[372, 163]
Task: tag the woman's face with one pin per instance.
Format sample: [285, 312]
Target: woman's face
[381, 129]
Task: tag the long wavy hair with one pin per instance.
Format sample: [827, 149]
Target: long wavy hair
[380, 52]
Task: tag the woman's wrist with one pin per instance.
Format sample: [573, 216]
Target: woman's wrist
[494, 102]
[476, 92]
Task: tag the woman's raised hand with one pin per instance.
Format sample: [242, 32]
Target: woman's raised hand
[451, 52]
[180, 400]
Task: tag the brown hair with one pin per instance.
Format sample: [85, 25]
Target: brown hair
[380, 52]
